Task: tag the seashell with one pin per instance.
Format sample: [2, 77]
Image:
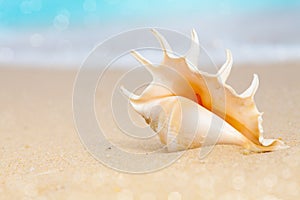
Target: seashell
[183, 104]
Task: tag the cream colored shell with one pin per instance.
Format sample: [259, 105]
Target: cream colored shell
[186, 106]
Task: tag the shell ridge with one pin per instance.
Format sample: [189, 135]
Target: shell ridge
[238, 110]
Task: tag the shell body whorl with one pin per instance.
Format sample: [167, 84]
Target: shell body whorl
[183, 105]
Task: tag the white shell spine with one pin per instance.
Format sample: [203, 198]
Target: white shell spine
[181, 112]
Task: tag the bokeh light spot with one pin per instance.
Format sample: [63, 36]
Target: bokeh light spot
[61, 22]
[30, 6]
[174, 196]
[89, 5]
[6, 54]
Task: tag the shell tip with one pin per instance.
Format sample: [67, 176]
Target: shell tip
[250, 92]
[128, 94]
[224, 72]
[124, 91]
[195, 36]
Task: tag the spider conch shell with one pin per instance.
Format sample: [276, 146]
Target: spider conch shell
[183, 104]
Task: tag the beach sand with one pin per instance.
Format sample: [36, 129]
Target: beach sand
[41, 156]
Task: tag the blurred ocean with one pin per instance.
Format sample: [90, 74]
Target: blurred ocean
[43, 33]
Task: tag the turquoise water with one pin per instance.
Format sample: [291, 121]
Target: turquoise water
[14, 13]
[64, 31]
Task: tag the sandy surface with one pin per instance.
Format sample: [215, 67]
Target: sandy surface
[41, 155]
